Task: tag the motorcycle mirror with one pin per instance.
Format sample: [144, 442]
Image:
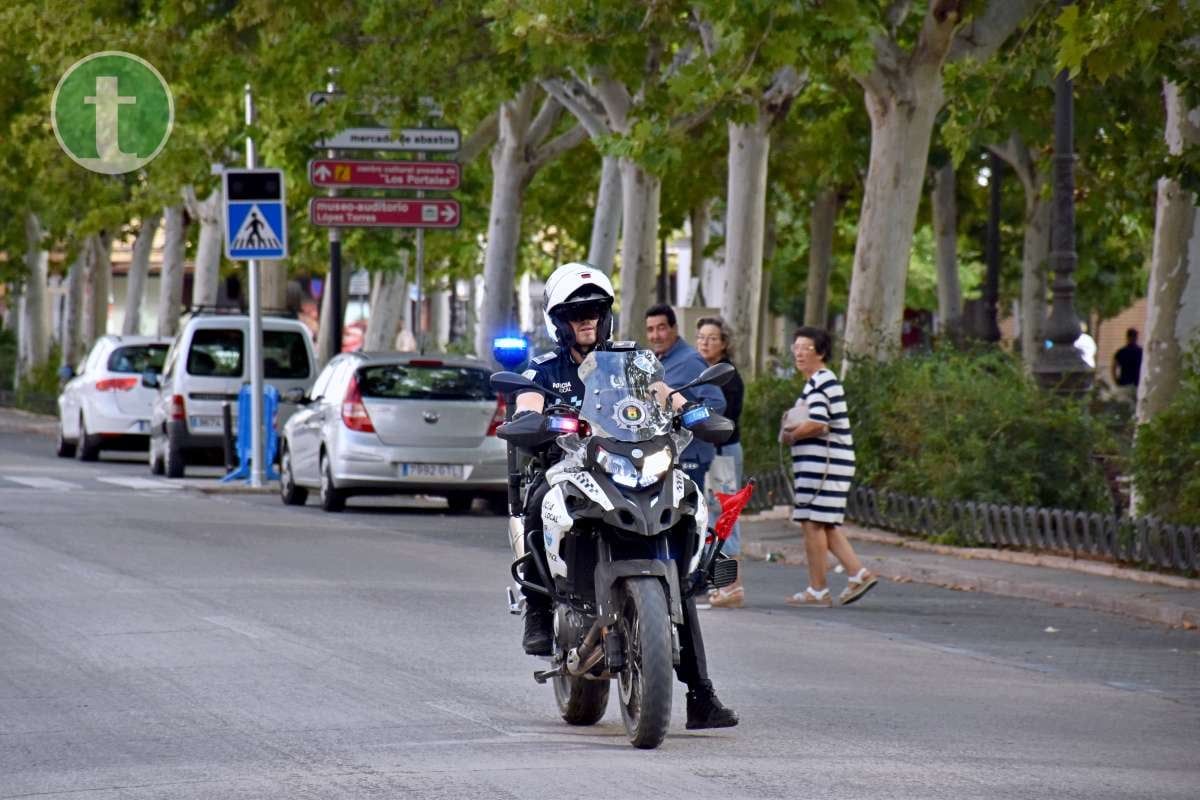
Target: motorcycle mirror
[512, 383]
[717, 374]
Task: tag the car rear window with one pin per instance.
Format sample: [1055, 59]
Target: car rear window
[138, 358]
[408, 382]
[218, 353]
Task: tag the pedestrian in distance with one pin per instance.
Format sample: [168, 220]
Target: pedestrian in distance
[1127, 367]
[714, 342]
[818, 431]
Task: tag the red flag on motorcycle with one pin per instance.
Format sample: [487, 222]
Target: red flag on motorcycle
[731, 509]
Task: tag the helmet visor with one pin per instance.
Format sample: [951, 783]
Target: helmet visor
[578, 312]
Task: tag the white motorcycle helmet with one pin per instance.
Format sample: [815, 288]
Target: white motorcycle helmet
[572, 286]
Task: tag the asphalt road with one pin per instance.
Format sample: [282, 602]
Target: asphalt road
[160, 643]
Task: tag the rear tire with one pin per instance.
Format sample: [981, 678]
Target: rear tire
[498, 504]
[581, 701]
[173, 463]
[291, 494]
[88, 446]
[332, 498]
[645, 682]
[156, 460]
[62, 448]
[460, 503]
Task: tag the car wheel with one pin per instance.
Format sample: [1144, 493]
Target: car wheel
[88, 446]
[332, 498]
[62, 448]
[291, 494]
[173, 460]
[156, 459]
[460, 502]
[498, 504]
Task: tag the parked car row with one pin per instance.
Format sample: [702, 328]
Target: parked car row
[368, 424]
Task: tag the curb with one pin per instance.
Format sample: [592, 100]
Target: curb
[1023, 558]
[233, 488]
[1150, 610]
[15, 420]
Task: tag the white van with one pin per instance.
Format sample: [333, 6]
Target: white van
[205, 367]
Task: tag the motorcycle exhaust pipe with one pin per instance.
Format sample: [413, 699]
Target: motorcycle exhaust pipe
[581, 659]
[516, 536]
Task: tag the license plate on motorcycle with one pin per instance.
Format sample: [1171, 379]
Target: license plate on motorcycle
[451, 471]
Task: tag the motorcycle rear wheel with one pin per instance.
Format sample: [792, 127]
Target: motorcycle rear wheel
[645, 682]
[581, 701]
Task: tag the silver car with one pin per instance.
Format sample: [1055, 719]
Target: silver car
[392, 423]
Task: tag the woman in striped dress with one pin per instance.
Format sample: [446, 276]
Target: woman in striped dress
[823, 466]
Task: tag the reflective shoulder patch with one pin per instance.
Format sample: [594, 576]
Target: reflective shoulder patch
[623, 346]
[546, 357]
[530, 374]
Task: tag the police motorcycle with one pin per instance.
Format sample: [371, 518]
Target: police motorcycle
[617, 519]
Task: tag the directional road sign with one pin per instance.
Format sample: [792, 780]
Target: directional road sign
[436, 176]
[255, 214]
[369, 212]
[430, 140]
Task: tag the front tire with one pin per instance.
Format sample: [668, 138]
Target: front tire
[332, 498]
[291, 494]
[645, 681]
[62, 448]
[88, 446]
[459, 502]
[581, 701]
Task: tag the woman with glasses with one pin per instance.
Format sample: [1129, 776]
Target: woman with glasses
[818, 431]
[714, 341]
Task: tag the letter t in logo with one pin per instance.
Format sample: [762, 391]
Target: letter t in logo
[107, 100]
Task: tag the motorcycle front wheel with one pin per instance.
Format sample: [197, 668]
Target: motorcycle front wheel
[645, 681]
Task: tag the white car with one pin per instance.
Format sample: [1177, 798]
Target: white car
[105, 406]
[206, 368]
[397, 423]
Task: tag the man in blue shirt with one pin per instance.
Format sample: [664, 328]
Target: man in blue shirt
[683, 364]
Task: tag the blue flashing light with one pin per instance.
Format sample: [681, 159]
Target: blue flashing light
[695, 415]
[510, 351]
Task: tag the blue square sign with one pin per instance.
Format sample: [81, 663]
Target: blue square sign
[255, 214]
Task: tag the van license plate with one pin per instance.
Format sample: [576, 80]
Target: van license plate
[453, 471]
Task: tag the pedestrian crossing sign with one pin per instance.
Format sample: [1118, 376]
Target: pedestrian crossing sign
[255, 214]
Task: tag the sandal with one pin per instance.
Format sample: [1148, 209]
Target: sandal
[857, 586]
[733, 598]
[811, 597]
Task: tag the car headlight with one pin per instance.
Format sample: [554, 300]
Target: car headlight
[623, 472]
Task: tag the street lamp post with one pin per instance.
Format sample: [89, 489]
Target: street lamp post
[1061, 366]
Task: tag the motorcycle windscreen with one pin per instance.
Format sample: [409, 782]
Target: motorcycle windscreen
[618, 400]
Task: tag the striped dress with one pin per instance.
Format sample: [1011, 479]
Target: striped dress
[823, 466]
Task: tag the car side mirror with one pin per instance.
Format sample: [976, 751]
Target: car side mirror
[296, 397]
[66, 372]
[151, 379]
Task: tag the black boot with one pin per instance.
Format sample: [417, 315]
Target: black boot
[539, 630]
[704, 710]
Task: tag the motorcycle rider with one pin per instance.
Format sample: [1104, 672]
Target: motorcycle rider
[578, 313]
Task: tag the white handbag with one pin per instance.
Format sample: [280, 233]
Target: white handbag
[793, 417]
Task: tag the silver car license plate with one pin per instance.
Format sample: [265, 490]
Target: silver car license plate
[207, 423]
[452, 471]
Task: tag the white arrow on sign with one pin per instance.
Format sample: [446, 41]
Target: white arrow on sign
[322, 172]
[447, 213]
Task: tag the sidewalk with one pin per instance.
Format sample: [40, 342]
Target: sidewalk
[1097, 586]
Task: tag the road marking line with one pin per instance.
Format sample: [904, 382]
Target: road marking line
[42, 483]
[140, 483]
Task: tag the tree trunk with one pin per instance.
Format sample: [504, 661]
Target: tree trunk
[1173, 296]
[97, 285]
[273, 278]
[945, 237]
[640, 192]
[170, 287]
[207, 274]
[439, 319]
[820, 258]
[749, 148]
[606, 224]
[509, 174]
[139, 268]
[901, 128]
[33, 332]
[698, 222]
[1035, 254]
[766, 330]
[388, 298]
[73, 312]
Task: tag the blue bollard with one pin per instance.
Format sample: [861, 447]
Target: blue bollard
[244, 444]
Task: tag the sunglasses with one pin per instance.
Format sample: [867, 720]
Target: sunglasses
[582, 313]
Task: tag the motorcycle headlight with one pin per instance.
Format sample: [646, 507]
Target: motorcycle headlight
[623, 472]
